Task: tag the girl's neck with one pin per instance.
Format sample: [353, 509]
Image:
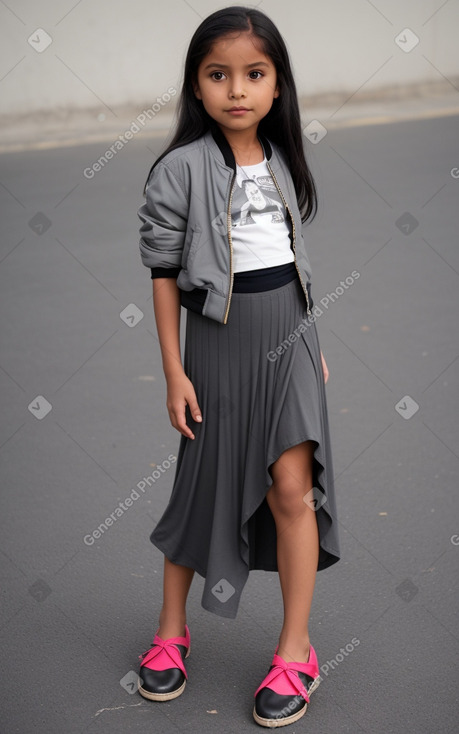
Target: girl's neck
[246, 148]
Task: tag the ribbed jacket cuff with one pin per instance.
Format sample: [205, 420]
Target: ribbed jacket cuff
[165, 272]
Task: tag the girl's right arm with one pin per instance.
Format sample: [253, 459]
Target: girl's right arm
[180, 391]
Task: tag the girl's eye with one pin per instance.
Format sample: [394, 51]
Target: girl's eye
[218, 76]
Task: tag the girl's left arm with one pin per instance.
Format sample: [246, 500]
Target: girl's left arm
[324, 367]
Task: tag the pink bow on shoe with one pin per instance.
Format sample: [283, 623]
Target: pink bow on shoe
[290, 671]
[162, 652]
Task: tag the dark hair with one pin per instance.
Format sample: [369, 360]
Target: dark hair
[282, 124]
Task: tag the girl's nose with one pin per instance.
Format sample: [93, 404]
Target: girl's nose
[237, 90]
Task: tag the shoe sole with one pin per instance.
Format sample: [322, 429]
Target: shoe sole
[162, 696]
[276, 723]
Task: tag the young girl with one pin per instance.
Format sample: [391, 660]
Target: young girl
[222, 234]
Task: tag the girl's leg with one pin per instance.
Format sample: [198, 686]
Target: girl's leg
[163, 678]
[297, 546]
[176, 585]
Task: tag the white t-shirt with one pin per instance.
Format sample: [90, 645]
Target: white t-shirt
[260, 229]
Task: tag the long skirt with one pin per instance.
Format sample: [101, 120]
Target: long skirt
[260, 387]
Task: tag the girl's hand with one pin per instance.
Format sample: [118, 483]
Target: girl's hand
[180, 393]
[324, 367]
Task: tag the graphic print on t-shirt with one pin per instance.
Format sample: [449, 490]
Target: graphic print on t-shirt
[254, 199]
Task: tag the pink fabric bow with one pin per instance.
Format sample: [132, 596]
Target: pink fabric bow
[281, 667]
[164, 646]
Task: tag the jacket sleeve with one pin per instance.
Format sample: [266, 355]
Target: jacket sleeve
[164, 219]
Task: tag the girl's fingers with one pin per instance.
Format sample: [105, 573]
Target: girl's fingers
[194, 409]
[179, 422]
[177, 413]
[178, 419]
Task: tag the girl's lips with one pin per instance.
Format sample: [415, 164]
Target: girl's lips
[238, 111]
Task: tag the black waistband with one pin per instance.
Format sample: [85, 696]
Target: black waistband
[248, 281]
[265, 279]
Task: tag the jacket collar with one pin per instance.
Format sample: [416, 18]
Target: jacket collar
[224, 147]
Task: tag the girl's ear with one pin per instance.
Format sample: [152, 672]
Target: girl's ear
[196, 90]
[276, 92]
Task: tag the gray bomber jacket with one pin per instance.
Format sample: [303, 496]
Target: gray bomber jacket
[186, 222]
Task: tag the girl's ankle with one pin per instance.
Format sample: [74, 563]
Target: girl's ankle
[171, 626]
[294, 651]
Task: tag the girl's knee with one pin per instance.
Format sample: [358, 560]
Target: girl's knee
[286, 497]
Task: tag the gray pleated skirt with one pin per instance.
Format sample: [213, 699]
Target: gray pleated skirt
[260, 387]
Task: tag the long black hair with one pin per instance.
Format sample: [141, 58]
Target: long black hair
[282, 124]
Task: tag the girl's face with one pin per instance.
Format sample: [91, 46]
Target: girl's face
[237, 83]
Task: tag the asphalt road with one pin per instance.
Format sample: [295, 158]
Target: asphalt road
[84, 422]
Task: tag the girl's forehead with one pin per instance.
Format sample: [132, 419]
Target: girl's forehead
[234, 43]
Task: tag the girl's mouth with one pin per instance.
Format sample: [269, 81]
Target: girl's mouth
[237, 111]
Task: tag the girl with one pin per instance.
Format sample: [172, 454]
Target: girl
[222, 234]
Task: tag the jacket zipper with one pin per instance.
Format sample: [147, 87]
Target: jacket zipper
[228, 226]
[294, 236]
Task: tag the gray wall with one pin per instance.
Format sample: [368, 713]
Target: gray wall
[108, 53]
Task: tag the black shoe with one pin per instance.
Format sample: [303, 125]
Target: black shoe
[287, 698]
[162, 673]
